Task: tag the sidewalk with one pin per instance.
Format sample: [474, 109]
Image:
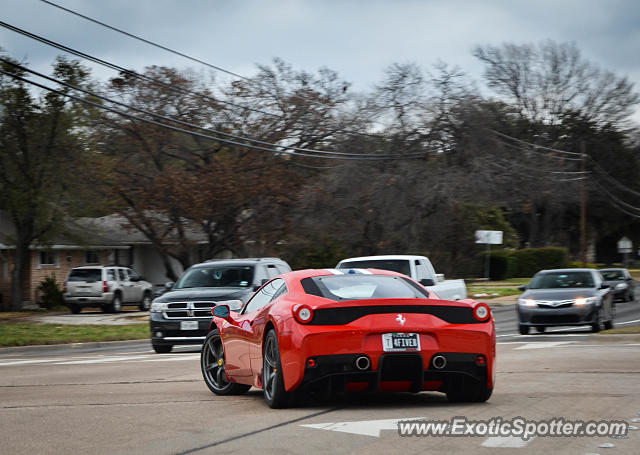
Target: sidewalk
[92, 318]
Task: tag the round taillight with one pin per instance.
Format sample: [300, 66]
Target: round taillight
[481, 312]
[303, 314]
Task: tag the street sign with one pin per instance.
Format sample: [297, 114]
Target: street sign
[489, 237]
[625, 245]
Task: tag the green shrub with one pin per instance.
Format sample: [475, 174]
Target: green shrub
[501, 265]
[578, 265]
[51, 293]
[532, 260]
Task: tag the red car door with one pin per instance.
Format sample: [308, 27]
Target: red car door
[238, 337]
[235, 338]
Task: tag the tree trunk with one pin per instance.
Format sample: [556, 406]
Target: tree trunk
[21, 264]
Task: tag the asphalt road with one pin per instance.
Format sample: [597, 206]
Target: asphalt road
[122, 398]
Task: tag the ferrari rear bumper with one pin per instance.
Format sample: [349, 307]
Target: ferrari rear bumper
[395, 371]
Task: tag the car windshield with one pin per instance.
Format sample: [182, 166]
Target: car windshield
[217, 277]
[357, 287]
[85, 275]
[613, 275]
[394, 265]
[558, 280]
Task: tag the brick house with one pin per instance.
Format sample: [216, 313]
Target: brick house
[88, 241]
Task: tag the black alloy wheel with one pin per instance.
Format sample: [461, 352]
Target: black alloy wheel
[212, 366]
[272, 380]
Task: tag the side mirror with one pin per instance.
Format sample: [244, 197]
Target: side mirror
[169, 284]
[234, 305]
[221, 311]
[522, 287]
[604, 286]
[427, 282]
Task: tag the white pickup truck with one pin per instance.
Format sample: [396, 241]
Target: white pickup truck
[417, 267]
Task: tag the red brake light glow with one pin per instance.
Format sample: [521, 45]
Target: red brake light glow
[105, 286]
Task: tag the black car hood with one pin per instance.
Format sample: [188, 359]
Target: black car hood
[206, 293]
[558, 294]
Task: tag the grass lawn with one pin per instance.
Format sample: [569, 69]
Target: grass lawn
[17, 334]
[501, 291]
[622, 330]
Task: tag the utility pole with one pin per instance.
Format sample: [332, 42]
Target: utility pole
[583, 206]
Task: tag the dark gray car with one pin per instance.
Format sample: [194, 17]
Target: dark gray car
[566, 297]
[182, 315]
[621, 283]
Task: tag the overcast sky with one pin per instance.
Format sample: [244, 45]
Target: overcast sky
[358, 39]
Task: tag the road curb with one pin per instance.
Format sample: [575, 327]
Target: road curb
[89, 345]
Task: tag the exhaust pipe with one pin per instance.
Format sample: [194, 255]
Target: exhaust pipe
[439, 362]
[363, 363]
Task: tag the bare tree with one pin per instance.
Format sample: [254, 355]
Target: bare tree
[547, 80]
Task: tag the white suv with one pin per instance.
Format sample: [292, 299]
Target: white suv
[105, 287]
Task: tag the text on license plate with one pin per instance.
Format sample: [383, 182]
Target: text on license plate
[188, 325]
[400, 342]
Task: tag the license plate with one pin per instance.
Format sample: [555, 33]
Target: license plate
[394, 342]
[188, 325]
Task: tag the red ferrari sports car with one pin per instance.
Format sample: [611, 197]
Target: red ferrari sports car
[324, 331]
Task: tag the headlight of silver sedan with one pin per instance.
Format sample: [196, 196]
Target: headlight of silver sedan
[585, 301]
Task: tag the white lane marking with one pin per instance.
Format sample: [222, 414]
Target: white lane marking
[602, 345]
[628, 322]
[607, 445]
[173, 358]
[26, 362]
[101, 360]
[363, 427]
[543, 344]
[506, 441]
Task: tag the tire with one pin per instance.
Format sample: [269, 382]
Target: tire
[541, 329]
[523, 329]
[146, 302]
[116, 304]
[630, 297]
[272, 381]
[596, 325]
[162, 348]
[212, 367]
[75, 309]
[466, 390]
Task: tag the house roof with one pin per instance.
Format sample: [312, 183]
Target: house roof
[111, 231]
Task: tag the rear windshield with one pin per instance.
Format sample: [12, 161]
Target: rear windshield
[358, 287]
[612, 275]
[85, 275]
[562, 280]
[395, 265]
[217, 277]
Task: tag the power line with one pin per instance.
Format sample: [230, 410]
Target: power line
[616, 199]
[191, 125]
[529, 150]
[152, 80]
[165, 48]
[193, 133]
[139, 38]
[530, 144]
[608, 176]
